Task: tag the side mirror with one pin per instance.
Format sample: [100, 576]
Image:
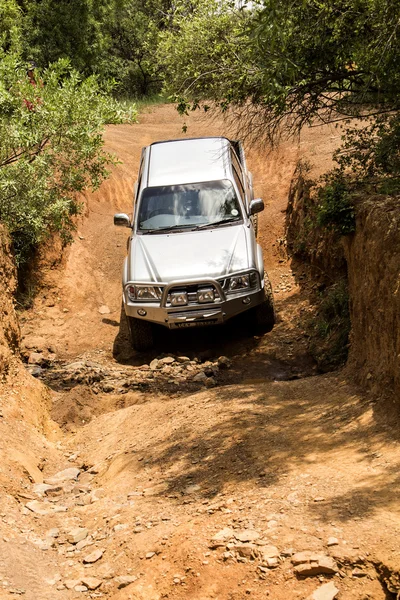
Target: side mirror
[256, 206]
[122, 220]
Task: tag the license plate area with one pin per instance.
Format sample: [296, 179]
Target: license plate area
[188, 324]
[188, 319]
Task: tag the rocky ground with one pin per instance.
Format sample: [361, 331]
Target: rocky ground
[219, 466]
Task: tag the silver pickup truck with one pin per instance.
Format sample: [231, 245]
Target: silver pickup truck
[193, 259]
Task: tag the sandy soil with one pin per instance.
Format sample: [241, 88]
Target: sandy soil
[281, 458]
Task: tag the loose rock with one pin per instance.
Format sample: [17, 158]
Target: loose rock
[77, 535]
[328, 591]
[67, 475]
[104, 310]
[224, 362]
[92, 583]
[93, 557]
[267, 552]
[246, 535]
[221, 538]
[124, 580]
[200, 377]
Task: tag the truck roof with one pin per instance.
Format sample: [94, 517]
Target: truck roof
[189, 160]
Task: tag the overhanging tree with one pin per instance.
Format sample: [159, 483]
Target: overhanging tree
[287, 64]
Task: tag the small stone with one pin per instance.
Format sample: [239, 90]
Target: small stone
[211, 382]
[124, 580]
[192, 489]
[92, 583]
[246, 550]
[324, 565]
[35, 358]
[104, 310]
[221, 538]
[332, 541]
[120, 527]
[357, 572]
[301, 557]
[67, 475]
[70, 584]
[267, 552]
[93, 557]
[271, 562]
[224, 362]
[77, 535]
[154, 364]
[328, 591]
[168, 360]
[39, 508]
[200, 377]
[80, 588]
[83, 543]
[319, 499]
[182, 359]
[150, 554]
[41, 488]
[53, 533]
[246, 535]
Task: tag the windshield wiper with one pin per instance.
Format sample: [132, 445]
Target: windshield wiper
[216, 223]
[164, 229]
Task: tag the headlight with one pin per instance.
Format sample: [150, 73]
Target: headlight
[143, 293]
[243, 282]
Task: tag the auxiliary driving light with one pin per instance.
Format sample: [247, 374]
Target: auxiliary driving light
[246, 300]
[178, 298]
[142, 312]
[205, 295]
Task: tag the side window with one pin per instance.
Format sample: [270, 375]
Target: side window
[239, 184]
[238, 175]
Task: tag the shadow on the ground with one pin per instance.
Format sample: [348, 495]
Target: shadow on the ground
[263, 436]
[269, 356]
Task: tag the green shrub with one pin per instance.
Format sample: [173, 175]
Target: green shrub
[51, 148]
[330, 327]
[334, 209]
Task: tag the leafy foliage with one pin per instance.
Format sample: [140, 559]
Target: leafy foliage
[115, 39]
[334, 208]
[134, 39]
[329, 328]
[54, 29]
[50, 149]
[202, 53]
[284, 65]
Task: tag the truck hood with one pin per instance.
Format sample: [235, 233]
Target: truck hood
[189, 255]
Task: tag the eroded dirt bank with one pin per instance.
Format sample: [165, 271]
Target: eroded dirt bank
[259, 479]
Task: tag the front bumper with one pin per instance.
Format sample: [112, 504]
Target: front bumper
[195, 316]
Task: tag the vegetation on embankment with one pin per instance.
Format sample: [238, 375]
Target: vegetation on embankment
[358, 306]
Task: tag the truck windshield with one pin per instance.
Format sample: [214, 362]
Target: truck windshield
[190, 204]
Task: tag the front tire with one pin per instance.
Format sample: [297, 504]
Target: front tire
[141, 333]
[263, 315]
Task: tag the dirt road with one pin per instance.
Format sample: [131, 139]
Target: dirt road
[271, 481]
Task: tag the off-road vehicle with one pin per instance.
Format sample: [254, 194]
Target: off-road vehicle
[193, 259]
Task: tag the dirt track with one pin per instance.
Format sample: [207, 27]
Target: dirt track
[285, 459]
